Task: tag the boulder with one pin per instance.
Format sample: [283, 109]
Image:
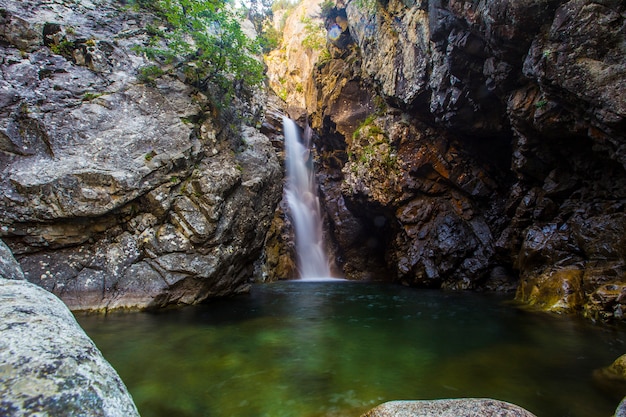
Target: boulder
[119, 189]
[49, 365]
[9, 268]
[465, 407]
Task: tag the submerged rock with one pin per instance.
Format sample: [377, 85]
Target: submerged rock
[49, 365]
[466, 407]
[612, 379]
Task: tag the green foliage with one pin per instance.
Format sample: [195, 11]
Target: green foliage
[372, 147]
[149, 74]
[369, 121]
[324, 57]
[148, 157]
[326, 8]
[369, 6]
[24, 109]
[257, 11]
[260, 13]
[315, 35]
[380, 105]
[205, 41]
[138, 4]
[541, 104]
[65, 48]
[270, 38]
[284, 5]
[283, 93]
[91, 96]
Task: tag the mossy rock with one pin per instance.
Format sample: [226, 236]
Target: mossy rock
[612, 379]
[558, 291]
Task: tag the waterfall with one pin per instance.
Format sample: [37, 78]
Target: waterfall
[304, 205]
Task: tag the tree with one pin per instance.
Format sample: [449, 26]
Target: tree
[204, 39]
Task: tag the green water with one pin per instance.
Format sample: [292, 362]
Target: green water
[303, 349]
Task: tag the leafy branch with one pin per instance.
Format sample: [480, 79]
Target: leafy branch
[204, 39]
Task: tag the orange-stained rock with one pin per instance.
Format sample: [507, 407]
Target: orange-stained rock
[558, 291]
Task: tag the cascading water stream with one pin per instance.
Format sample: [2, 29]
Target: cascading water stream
[301, 193]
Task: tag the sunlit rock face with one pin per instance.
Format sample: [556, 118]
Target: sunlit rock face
[117, 192]
[290, 67]
[493, 150]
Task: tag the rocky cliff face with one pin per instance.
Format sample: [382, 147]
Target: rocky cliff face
[471, 144]
[291, 65]
[119, 190]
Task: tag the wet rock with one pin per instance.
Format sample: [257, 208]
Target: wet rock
[49, 366]
[608, 301]
[465, 407]
[559, 290]
[280, 250]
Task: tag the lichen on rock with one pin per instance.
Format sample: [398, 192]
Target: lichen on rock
[48, 364]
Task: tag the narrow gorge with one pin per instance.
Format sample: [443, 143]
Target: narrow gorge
[459, 145]
[470, 145]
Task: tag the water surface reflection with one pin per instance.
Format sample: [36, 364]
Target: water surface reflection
[336, 349]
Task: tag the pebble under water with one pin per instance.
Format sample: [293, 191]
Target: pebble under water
[310, 349]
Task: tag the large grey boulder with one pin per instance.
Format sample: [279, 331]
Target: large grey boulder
[9, 268]
[463, 407]
[48, 365]
[119, 190]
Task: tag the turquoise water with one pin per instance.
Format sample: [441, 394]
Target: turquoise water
[305, 349]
